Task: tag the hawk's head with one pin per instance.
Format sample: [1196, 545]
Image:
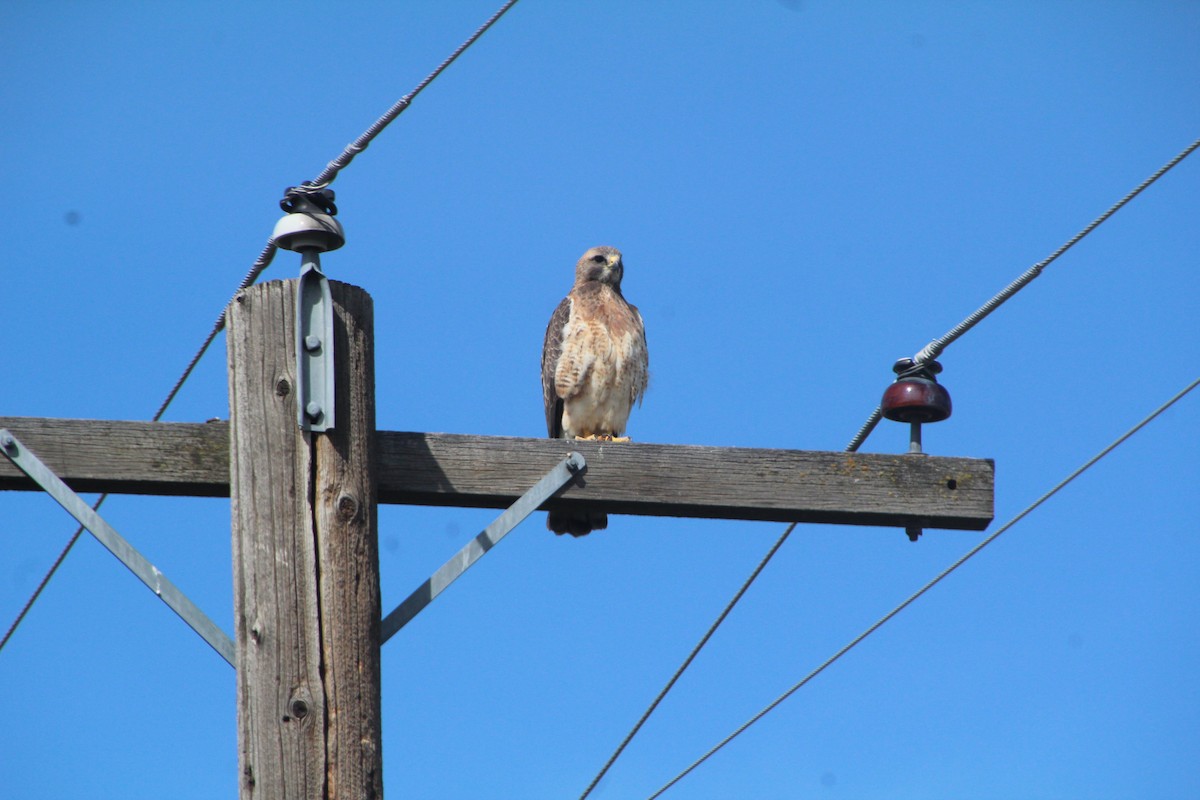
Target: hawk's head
[601, 264]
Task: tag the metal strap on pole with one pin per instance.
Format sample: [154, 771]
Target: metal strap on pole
[146, 572]
[550, 483]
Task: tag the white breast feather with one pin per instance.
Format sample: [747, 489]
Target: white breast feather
[600, 377]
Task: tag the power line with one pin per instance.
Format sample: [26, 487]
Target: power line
[687, 661]
[931, 351]
[944, 573]
[46, 579]
[935, 348]
[323, 180]
[260, 264]
[360, 144]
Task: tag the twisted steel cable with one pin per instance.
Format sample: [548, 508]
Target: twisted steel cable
[257, 268]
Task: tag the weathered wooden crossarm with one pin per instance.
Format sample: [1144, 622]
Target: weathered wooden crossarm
[492, 471]
[694, 481]
[96, 455]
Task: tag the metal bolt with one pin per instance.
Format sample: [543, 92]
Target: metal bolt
[313, 410]
[312, 343]
[914, 439]
[7, 441]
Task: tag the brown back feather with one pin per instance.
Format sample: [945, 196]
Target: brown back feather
[551, 352]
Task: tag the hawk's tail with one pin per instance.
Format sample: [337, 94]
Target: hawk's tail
[576, 523]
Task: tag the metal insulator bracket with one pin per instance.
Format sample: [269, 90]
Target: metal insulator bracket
[314, 347]
[916, 397]
[116, 544]
[574, 464]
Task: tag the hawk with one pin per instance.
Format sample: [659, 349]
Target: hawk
[594, 366]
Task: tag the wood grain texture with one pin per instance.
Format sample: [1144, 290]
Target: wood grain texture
[491, 472]
[280, 697]
[306, 571]
[347, 532]
[122, 457]
[693, 481]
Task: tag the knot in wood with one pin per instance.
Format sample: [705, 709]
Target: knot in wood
[299, 709]
[347, 506]
[283, 387]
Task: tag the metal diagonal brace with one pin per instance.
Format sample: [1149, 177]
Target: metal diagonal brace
[33, 466]
[550, 483]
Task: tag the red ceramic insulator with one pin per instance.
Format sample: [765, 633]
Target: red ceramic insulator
[916, 400]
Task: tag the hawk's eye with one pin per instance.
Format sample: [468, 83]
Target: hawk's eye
[599, 259]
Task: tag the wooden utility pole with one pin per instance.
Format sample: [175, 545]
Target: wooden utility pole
[305, 556]
[305, 541]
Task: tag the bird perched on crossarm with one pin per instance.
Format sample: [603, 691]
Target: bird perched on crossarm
[594, 366]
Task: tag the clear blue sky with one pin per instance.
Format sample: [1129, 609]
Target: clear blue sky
[804, 191]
